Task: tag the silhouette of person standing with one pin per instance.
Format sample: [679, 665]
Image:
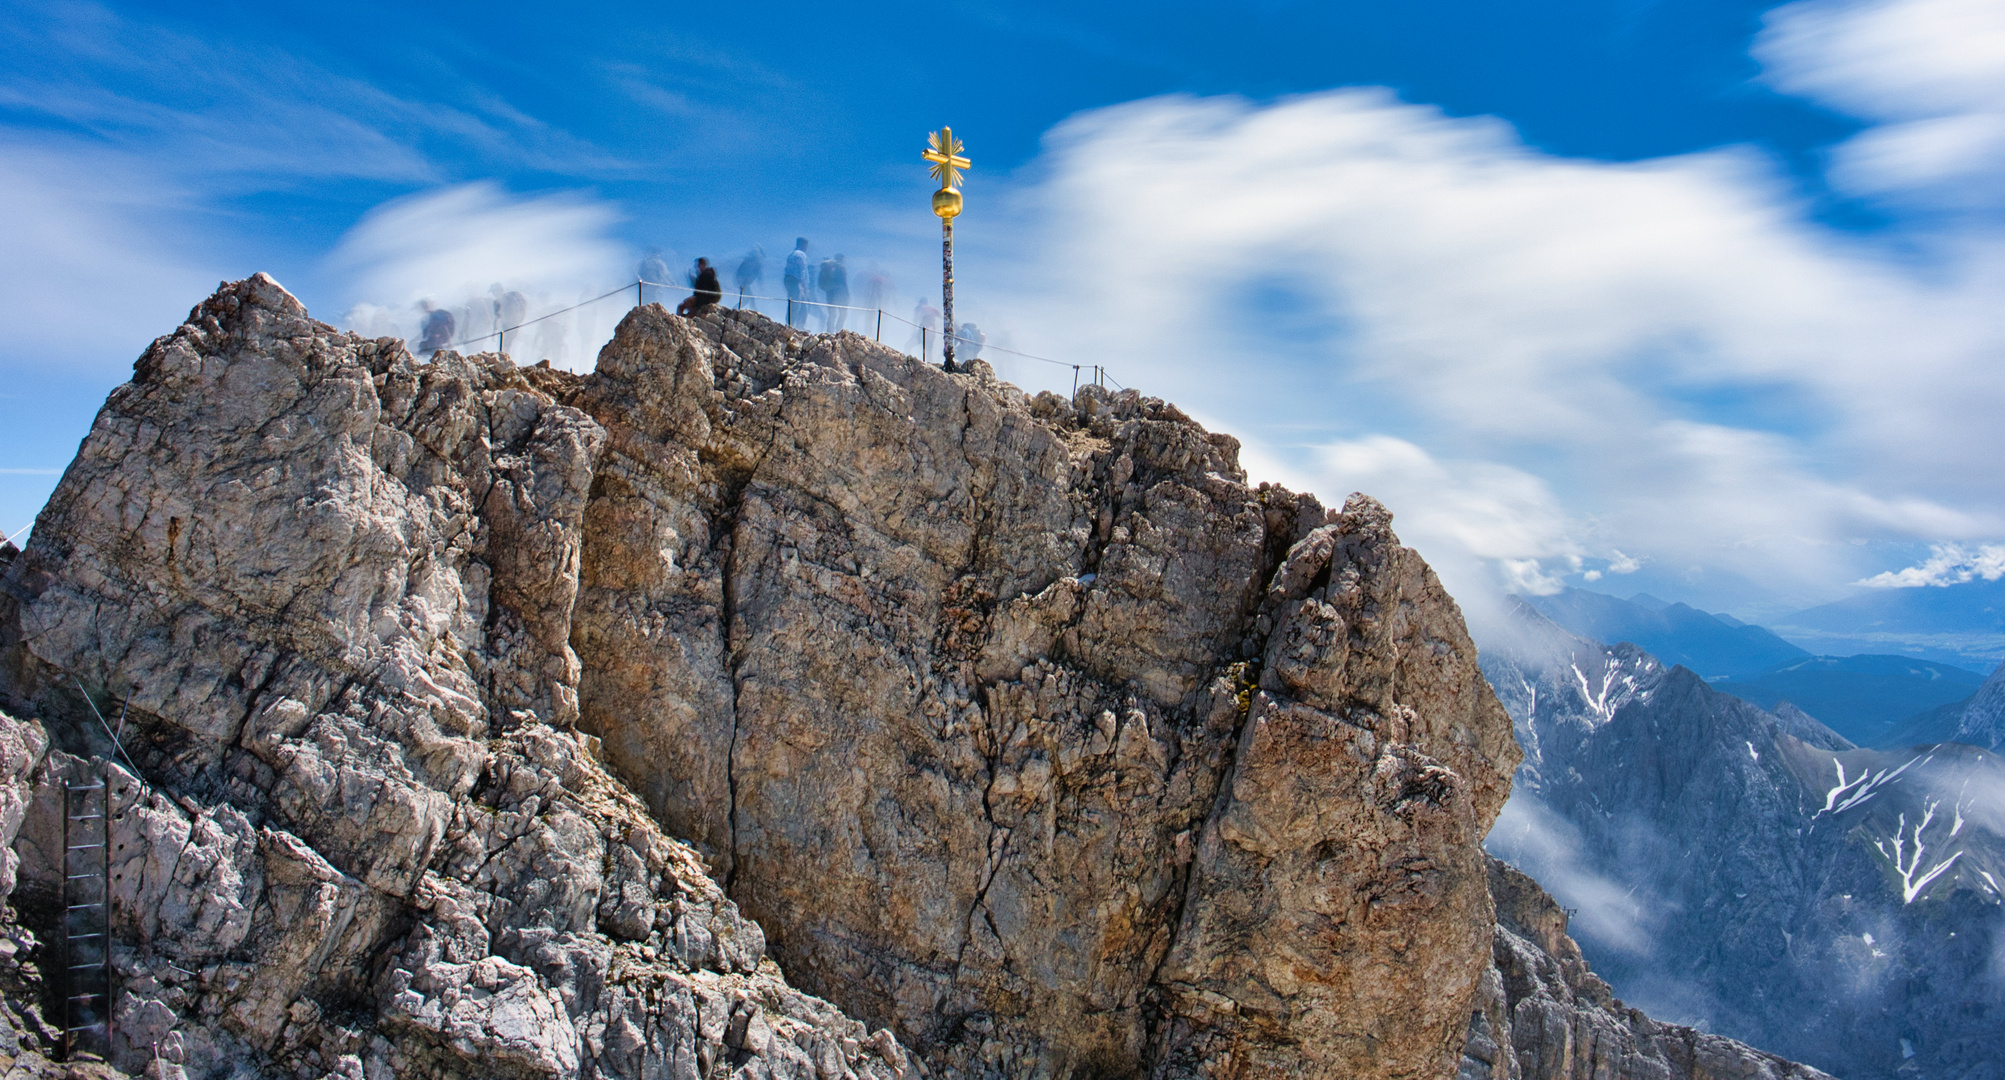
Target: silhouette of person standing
[704, 290]
[876, 285]
[797, 282]
[968, 342]
[835, 289]
[510, 307]
[751, 272]
[653, 274]
[927, 318]
[437, 329]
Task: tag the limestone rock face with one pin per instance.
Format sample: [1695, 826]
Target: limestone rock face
[1027, 727]
[1036, 740]
[326, 590]
[1542, 1015]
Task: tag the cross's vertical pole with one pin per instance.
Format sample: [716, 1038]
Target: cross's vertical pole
[947, 293]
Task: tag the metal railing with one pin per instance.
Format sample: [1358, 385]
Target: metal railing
[1098, 377]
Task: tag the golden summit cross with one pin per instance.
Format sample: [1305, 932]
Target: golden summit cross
[944, 151]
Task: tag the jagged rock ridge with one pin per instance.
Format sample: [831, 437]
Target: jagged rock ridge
[1029, 730]
[328, 586]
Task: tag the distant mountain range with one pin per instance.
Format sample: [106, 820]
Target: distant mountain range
[1862, 698]
[1958, 624]
[1865, 698]
[1753, 871]
[1712, 645]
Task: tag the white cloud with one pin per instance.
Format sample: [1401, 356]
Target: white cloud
[451, 246]
[1464, 514]
[1949, 564]
[461, 238]
[99, 261]
[1532, 360]
[1545, 845]
[1931, 72]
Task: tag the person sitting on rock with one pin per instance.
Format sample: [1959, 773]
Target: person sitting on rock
[707, 292]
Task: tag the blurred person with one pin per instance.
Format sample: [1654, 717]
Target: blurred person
[834, 282]
[876, 287]
[797, 282]
[435, 329]
[968, 341]
[751, 272]
[704, 290]
[654, 275]
[553, 339]
[510, 308]
[926, 319]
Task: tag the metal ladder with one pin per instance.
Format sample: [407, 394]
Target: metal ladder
[86, 925]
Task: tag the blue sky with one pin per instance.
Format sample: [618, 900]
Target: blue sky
[1700, 298]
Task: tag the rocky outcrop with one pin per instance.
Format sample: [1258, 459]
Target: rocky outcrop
[326, 589]
[1542, 1015]
[1037, 740]
[1027, 727]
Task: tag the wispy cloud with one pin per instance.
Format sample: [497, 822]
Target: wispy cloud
[460, 238]
[1546, 366]
[454, 246]
[1932, 72]
[1949, 564]
[1531, 837]
[101, 257]
[243, 116]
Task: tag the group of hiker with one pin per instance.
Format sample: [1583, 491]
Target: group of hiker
[817, 295]
[500, 309]
[817, 298]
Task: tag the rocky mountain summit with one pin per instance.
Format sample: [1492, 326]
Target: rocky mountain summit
[462, 720]
[1756, 872]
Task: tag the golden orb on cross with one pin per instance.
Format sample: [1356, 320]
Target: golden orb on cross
[944, 151]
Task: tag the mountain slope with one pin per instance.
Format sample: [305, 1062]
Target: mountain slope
[1757, 873]
[1978, 720]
